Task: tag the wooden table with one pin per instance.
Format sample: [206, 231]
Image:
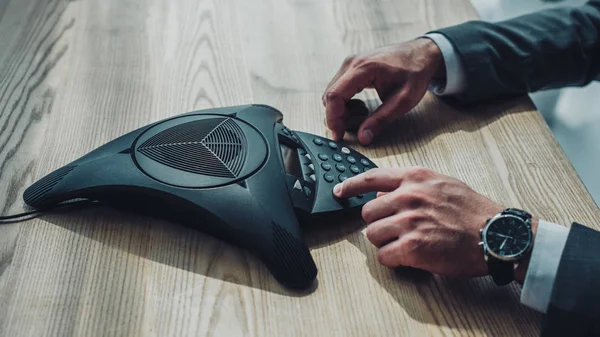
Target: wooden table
[76, 74]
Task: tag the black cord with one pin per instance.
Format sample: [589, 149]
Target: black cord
[19, 217]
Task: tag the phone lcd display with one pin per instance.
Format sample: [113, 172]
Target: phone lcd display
[291, 161]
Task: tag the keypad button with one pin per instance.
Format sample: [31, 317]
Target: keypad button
[333, 145]
[337, 157]
[365, 162]
[340, 167]
[360, 196]
[326, 166]
[318, 141]
[342, 177]
[328, 177]
[354, 169]
[323, 156]
[307, 191]
[351, 160]
[345, 150]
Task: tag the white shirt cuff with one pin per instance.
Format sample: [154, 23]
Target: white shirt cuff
[548, 246]
[455, 73]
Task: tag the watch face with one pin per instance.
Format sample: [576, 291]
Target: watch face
[507, 237]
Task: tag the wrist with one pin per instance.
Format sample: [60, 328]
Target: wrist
[512, 262]
[435, 60]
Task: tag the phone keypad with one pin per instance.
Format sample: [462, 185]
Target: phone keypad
[326, 163]
[340, 155]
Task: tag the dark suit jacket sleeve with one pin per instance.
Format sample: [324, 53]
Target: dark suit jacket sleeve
[574, 308]
[548, 49]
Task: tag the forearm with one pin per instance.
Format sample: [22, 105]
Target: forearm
[553, 48]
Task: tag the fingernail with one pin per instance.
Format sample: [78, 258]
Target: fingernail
[337, 189]
[367, 136]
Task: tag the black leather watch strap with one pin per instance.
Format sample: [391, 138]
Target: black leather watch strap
[502, 271]
[514, 211]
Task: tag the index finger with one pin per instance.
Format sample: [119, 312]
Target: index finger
[339, 93]
[375, 180]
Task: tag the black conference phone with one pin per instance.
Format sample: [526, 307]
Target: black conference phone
[236, 173]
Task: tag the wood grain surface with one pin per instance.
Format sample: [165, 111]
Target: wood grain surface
[76, 74]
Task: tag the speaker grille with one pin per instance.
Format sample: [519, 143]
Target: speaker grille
[214, 147]
[292, 259]
[35, 194]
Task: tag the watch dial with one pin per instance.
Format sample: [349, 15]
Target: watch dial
[507, 236]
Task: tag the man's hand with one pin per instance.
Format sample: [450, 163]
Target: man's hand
[423, 219]
[401, 76]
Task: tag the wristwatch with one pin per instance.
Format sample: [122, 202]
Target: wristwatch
[506, 239]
